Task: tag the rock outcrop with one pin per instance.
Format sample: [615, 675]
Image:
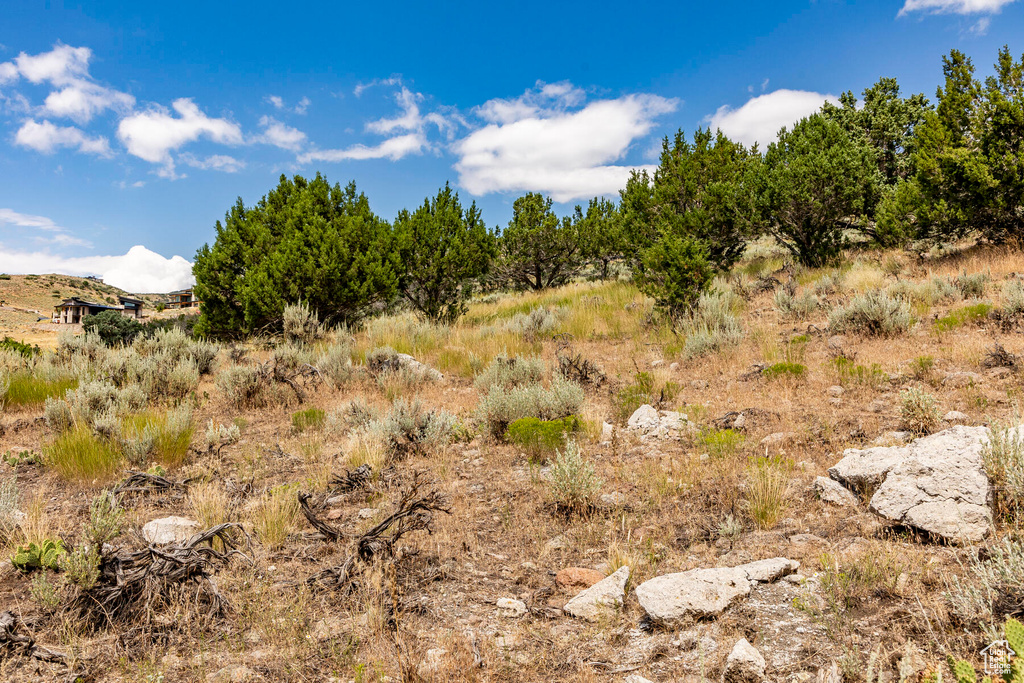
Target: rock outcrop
[744, 664]
[936, 483]
[648, 422]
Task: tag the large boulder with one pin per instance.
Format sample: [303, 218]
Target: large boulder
[607, 593]
[169, 530]
[936, 483]
[744, 664]
[695, 594]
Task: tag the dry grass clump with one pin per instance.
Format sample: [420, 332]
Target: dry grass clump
[210, 503]
[919, 411]
[164, 437]
[355, 413]
[277, 516]
[10, 520]
[872, 314]
[766, 493]
[1003, 457]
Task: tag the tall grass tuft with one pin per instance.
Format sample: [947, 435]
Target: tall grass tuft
[767, 491]
[26, 390]
[277, 516]
[80, 456]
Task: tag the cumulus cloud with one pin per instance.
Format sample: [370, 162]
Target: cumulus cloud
[954, 6]
[760, 119]
[280, 135]
[47, 137]
[76, 94]
[363, 87]
[139, 270]
[154, 134]
[543, 142]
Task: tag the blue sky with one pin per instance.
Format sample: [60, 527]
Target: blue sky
[126, 133]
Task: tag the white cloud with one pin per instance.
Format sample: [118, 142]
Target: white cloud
[760, 119]
[139, 270]
[280, 135]
[76, 94]
[215, 162]
[954, 6]
[536, 143]
[26, 220]
[409, 119]
[154, 134]
[362, 87]
[393, 148]
[46, 137]
[51, 232]
[278, 102]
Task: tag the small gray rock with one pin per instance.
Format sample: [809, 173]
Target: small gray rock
[607, 593]
[511, 607]
[836, 390]
[676, 598]
[833, 492]
[169, 530]
[956, 416]
[744, 664]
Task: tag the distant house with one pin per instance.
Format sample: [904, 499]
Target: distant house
[183, 298]
[72, 311]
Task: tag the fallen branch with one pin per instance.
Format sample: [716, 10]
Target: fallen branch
[414, 511]
[11, 641]
[144, 482]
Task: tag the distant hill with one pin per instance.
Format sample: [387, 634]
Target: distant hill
[42, 292]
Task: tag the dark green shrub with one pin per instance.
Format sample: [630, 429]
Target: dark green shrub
[112, 327]
[19, 347]
[675, 272]
[310, 418]
[540, 438]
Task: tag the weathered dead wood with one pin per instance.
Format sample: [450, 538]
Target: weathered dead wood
[352, 480]
[12, 642]
[326, 529]
[130, 581]
[144, 482]
[414, 511]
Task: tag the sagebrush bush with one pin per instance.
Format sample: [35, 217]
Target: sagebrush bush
[919, 411]
[541, 438]
[829, 284]
[302, 325]
[408, 429]
[991, 586]
[795, 305]
[218, 435]
[972, 285]
[355, 413]
[873, 314]
[335, 363]
[1013, 298]
[711, 326]
[534, 325]
[501, 407]
[9, 517]
[573, 483]
[247, 386]
[1003, 457]
[511, 372]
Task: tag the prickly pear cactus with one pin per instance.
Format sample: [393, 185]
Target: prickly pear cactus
[45, 555]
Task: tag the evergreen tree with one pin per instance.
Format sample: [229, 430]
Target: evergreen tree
[817, 183]
[443, 250]
[537, 249]
[601, 230]
[304, 241]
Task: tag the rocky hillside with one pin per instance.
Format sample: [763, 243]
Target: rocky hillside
[815, 477]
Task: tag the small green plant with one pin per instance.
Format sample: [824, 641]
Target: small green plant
[501, 407]
[17, 458]
[80, 455]
[922, 367]
[310, 418]
[26, 350]
[849, 372]
[919, 411]
[962, 316]
[573, 482]
[845, 585]
[730, 527]
[81, 566]
[45, 555]
[44, 592]
[106, 519]
[721, 442]
[540, 438]
[784, 369]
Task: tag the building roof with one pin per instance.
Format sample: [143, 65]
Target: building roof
[75, 301]
[130, 299]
